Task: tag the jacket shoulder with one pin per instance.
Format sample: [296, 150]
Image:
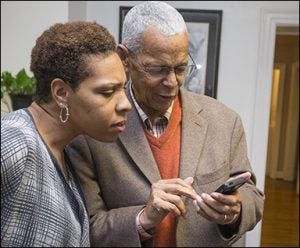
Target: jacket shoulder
[209, 106]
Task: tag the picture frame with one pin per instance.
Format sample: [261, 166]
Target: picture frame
[204, 28]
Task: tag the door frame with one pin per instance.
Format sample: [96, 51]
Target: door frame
[270, 19]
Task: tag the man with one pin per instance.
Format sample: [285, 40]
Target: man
[153, 187]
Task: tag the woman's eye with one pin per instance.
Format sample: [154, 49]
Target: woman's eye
[112, 91]
[107, 93]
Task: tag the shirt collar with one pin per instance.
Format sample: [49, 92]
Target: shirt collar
[142, 114]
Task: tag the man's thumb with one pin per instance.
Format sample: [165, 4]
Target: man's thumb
[189, 180]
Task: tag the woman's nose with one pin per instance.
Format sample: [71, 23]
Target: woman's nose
[123, 103]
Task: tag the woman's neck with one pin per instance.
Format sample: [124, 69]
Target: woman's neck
[56, 134]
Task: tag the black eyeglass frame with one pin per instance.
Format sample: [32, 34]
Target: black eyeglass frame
[165, 70]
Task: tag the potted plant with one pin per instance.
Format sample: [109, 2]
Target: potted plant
[20, 88]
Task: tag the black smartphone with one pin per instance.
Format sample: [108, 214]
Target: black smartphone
[230, 186]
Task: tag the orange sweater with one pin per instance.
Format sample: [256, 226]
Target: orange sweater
[166, 151]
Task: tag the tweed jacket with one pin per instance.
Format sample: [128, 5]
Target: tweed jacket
[116, 177]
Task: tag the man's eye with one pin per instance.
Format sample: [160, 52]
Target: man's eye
[180, 69]
[157, 69]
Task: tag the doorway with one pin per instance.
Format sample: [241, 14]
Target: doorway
[280, 225]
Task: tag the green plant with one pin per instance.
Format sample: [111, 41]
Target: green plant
[21, 84]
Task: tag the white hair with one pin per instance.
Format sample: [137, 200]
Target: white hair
[151, 13]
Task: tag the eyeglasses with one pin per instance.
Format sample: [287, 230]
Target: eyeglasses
[158, 72]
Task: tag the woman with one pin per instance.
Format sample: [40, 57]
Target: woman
[80, 90]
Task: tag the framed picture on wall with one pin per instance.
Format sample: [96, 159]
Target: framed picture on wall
[204, 28]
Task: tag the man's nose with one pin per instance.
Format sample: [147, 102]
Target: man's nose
[171, 79]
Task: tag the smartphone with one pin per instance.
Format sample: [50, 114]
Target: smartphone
[230, 186]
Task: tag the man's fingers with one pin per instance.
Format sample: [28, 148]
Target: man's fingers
[176, 186]
[189, 180]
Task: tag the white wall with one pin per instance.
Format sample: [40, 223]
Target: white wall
[21, 23]
[239, 63]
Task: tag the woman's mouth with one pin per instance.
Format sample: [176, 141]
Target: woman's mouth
[120, 126]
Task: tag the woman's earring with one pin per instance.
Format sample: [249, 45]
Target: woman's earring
[64, 113]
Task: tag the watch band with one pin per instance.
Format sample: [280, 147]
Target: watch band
[143, 233]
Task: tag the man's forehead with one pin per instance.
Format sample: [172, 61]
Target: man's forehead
[153, 40]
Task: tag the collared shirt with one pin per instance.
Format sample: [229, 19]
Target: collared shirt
[160, 123]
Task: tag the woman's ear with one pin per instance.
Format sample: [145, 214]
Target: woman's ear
[59, 90]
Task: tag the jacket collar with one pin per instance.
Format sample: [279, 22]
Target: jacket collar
[194, 129]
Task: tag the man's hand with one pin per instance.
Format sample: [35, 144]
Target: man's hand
[219, 208]
[165, 197]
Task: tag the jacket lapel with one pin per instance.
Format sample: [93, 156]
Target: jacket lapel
[194, 129]
[136, 144]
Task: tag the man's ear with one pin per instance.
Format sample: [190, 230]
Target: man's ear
[123, 53]
[59, 90]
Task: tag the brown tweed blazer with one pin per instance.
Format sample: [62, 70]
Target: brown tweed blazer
[116, 177]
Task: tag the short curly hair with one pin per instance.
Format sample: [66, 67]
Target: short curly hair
[62, 51]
